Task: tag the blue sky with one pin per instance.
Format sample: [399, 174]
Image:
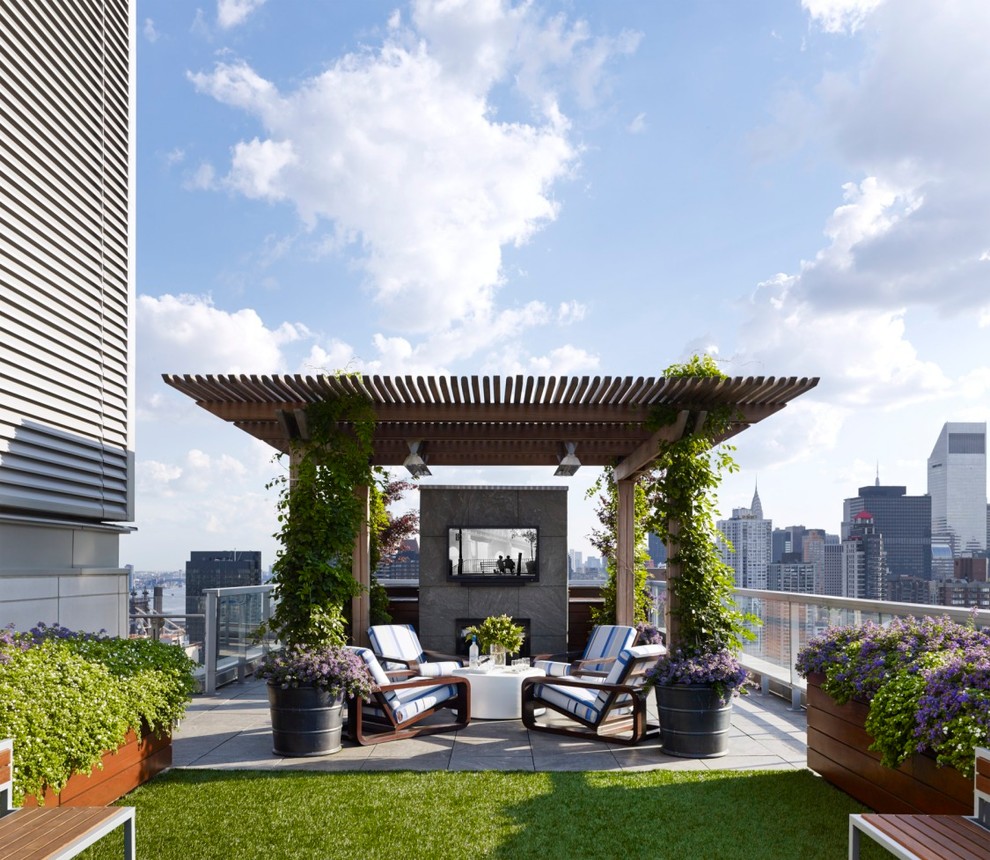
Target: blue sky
[797, 186]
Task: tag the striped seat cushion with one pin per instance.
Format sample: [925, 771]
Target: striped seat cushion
[588, 703]
[377, 672]
[553, 668]
[435, 670]
[406, 703]
[396, 640]
[607, 641]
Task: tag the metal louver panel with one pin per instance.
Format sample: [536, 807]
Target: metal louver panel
[65, 233]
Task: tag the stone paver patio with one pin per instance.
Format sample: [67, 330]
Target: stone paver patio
[232, 730]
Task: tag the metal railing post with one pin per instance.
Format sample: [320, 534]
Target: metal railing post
[210, 640]
[795, 617]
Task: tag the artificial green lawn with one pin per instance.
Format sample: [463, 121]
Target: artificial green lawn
[192, 814]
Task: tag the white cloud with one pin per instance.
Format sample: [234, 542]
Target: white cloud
[149, 30]
[232, 13]
[188, 334]
[638, 124]
[401, 152]
[256, 165]
[902, 250]
[175, 156]
[204, 178]
[201, 495]
[840, 16]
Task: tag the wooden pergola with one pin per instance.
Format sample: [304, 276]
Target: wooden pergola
[500, 421]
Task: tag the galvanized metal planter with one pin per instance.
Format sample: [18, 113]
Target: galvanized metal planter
[694, 720]
[306, 721]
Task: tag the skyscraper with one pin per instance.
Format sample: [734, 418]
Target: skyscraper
[749, 534]
[957, 483]
[864, 560]
[905, 523]
[223, 569]
[66, 300]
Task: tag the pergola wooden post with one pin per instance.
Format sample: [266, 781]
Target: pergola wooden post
[625, 553]
[361, 569]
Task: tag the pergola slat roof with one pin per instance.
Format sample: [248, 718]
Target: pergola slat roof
[495, 420]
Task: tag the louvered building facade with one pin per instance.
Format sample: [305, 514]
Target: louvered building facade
[66, 300]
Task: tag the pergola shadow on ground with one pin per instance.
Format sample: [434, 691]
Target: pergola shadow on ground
[232, 731]
[501, 421]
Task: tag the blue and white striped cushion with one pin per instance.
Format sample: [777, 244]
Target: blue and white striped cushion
[396, 640]
[377, 672]
[607, 641]
[435, 670]
[617, 674]
[575, 700]
[415, 700]
[553, 668]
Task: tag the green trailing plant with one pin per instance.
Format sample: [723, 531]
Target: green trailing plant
[603, 540]
[683, 487]
[320, 516]
[497, 630]
[67, 698]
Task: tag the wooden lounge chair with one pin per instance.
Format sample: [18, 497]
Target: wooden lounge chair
[605, 643]
[911, 837]
[602, 709]
[397, 647]
[398, 707]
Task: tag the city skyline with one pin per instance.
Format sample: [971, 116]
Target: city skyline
[560, 187]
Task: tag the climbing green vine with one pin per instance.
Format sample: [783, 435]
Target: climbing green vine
[603, 540]
[319, 518]
[684, 488]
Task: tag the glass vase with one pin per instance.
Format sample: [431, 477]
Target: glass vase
[497, 653]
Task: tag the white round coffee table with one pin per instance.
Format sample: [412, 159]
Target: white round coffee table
[496, 694]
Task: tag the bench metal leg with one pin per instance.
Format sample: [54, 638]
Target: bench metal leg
[130, 841]
[853, 839]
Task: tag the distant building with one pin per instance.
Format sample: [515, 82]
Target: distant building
[909, 589]
[220, 569]
[957, 483]
[957, 592]
[864, 560]
[942, 562]
[403, 565]
[970, 569]
[656, 549]
[787, 540]
[794, 576]
[905, 523]
[750, 537]
[831, 583]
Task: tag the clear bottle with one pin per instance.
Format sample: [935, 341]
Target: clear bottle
[473, 653]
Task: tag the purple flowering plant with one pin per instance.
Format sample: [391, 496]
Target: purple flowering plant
[926, 681]
[718, 668]
[648, 634]
[338, 671]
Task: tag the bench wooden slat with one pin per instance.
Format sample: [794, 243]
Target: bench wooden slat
[40, 834]
[947, 837]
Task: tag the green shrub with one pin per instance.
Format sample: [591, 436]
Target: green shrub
[67, 698]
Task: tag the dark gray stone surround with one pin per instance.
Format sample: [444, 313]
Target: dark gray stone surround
[442, 602]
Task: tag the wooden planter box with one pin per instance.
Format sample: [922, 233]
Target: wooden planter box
[133, 764]
[837, 749]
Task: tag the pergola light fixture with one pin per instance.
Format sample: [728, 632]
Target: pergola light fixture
[415, 462]
[569, 463]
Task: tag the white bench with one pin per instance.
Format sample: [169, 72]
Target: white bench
[932, 837]
[57, 832]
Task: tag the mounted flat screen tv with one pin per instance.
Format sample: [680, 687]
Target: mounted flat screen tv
[484, 553]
